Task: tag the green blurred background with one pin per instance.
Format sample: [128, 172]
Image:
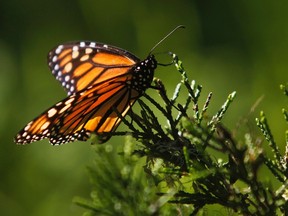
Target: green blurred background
[226, 46]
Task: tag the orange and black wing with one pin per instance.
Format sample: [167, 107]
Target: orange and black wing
[102, 82]
[82, 64]
[94, 110]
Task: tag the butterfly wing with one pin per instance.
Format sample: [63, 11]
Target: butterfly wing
[102, 82]
[82, 64]
[85, 112]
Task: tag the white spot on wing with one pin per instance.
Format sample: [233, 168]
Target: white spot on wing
[58, 104]
[67, 78]
[54, 59]
[75, 54]
[88, 50]
[45, 125]
[84, 58]
[68, 68]
[44, 132]
[27, 127]
[92, 44]
[59, 49]
[52, 112]
[68, 102]
[75, 48]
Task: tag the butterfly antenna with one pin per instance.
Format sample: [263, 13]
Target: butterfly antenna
[164, 38]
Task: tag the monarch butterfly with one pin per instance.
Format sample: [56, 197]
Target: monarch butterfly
[102, 81]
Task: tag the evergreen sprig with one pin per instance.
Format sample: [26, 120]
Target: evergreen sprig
[192, 162]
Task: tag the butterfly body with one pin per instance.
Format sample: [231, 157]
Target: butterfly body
[101, 81]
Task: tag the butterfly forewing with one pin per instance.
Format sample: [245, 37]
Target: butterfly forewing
[77, 116]
[82, 64]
